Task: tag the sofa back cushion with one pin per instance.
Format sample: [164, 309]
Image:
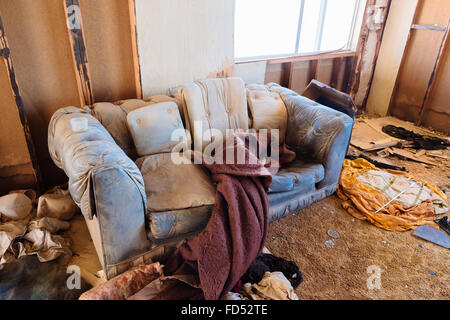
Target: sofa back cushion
[151, 128]
[267, 111]
[218, 104]
[113, 116]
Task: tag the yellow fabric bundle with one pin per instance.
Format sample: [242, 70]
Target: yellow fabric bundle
[361, 200]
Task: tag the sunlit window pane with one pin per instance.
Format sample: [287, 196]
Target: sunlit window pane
[266, 27]
[310, 23]
[337, 24]
[269, 28]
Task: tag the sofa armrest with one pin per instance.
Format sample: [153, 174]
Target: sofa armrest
[103, 181]
[316, 131]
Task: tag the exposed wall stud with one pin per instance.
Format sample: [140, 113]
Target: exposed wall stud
[74, 25]
[135, 48]
[431, 83]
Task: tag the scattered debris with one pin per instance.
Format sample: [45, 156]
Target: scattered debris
[411, 156]
[419, 141]
[444, 224]
[379, 138]
[433, 235]
[333, 233]
[329, 244]
[431, 272]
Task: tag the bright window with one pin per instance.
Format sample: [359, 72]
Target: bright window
[274, 28]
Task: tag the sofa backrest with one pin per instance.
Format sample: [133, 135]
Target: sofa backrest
[214, 104]
[219, 104]
[113, 116]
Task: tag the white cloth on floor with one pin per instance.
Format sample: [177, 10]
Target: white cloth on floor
[38, 238]
[273, 286]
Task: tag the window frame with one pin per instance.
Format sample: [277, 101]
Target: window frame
[351, 48]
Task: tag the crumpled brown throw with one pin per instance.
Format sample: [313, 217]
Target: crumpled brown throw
[237, 229]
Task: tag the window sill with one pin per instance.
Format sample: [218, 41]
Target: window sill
[307, 57]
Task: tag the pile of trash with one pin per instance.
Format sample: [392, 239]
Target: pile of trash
[30, 225]
[392, 200]
[268, 278]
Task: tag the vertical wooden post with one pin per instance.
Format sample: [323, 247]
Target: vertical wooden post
[135, 48]
[431, 83]
[5, 56]
[74, 27]
[313, 67]
[336, 71]
[287, 69]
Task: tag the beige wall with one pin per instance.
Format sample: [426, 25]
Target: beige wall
[180, 41]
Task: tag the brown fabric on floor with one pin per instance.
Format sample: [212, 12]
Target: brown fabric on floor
[237, 229]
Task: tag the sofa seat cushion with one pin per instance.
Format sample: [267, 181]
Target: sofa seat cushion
[171, 186]
[298, 174]
[172, 223]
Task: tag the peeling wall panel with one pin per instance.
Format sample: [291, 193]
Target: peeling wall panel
[392, 47]
[181, 41]
[107, 33]
[41, 52]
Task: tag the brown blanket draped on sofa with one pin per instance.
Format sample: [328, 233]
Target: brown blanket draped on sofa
[237, 229]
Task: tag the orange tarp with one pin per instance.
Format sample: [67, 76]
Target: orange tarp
[362, 200]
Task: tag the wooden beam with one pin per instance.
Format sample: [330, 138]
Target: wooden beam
[135, 48]
[402, 63]
[313, 67]
[287, 69]
[5, 56]
[74, 27]
[432, 82]
[350, 64]
[335, 72]
[363, 57]
[319, 56]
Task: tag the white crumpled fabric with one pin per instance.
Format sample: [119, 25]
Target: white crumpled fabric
[15, 206]
[36, 237]
[57, 203]
[273, 286]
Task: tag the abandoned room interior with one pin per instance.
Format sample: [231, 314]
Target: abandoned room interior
[224, 150]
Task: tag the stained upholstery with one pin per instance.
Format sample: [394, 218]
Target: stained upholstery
[316, 131]
[217, 104]
[113, 116]
[298, 174]
[267, 110]
[171, 186]
[151, 128]
[110, 189]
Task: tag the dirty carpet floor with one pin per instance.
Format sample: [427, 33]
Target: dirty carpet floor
[411, 268]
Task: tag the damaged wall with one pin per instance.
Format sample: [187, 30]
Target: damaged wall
[421, 91]
[45, 63]
[110, 49]
[16, 169]
[401, 14]
[181, 41]
[41, 52]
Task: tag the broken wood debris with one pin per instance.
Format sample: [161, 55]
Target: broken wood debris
[372, 143]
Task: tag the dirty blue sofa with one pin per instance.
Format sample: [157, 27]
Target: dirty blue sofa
[109, 187]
